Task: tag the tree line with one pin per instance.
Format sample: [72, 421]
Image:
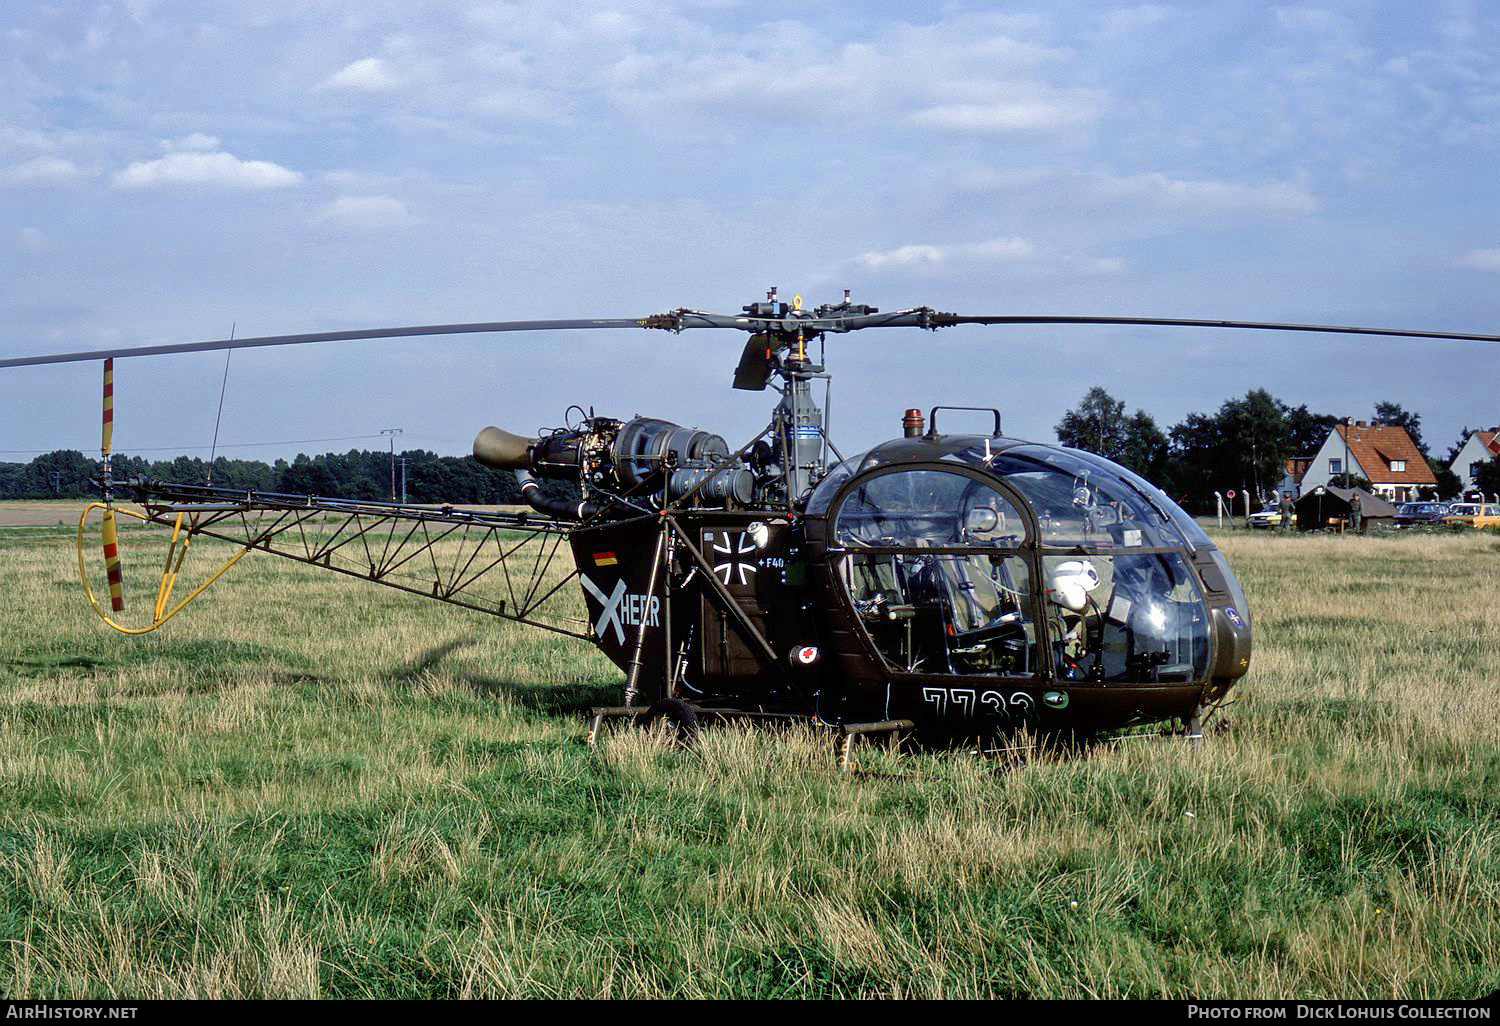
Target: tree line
[356, 474]
[1243, 445]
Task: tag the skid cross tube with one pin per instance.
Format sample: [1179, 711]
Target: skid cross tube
[849, 732]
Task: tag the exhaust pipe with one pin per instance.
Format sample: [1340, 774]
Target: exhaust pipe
[498, 448]
[495, 447]
[560, 509]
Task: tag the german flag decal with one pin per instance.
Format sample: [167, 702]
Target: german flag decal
[605, 559]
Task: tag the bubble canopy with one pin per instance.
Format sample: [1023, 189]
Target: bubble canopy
[1079, 500]
[991, 557]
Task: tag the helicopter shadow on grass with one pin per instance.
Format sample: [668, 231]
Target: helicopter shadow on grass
[199, 660]
[555, 700]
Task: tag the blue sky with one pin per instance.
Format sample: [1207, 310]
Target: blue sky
[170, 168]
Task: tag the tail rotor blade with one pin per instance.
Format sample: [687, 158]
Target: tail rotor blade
[112, 560]
[107, 528]
[109, 408]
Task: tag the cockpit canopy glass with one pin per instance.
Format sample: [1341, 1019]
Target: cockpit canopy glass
[1083, 500]
[936, 565]
[1158, 499]
[1080, 499]
[822, 496]
[928, 508]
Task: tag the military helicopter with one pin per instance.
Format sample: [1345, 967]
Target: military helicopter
[945, 585]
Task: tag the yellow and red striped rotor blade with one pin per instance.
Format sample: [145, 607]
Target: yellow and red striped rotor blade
[109, 407]
[112, 560]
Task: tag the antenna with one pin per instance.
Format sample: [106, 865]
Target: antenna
[220, 416]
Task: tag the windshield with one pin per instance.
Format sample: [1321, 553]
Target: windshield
[827, 488]
[1127, 616]
[1083, 500]
[1193, 533]
[928, 508]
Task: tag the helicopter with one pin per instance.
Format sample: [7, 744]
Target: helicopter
[944, 586]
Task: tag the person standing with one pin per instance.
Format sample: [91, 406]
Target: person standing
[1356, 514]
[1285, 509]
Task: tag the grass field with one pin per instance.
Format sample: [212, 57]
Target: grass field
[309, 786]
[38, 512]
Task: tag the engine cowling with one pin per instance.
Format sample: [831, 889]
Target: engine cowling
[641, 456]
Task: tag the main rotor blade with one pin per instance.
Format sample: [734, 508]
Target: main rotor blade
[838, 320]
[328, 336]
[943, 320]
[826, 320]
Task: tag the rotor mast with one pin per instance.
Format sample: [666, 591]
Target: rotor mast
[778, 348]
[798, 422]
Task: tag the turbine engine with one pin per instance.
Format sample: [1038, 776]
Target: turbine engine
[613, 460]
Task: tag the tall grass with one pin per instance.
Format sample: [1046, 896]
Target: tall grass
[309, 786]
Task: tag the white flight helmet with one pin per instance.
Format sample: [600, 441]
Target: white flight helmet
[1070, 584]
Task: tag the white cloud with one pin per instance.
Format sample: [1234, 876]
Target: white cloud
[1309, 19]
[1208, 195]
[968, 73]
[366, 75]
[1004, 117]
[905, 256]
[523, 104]
[195, 141]
[33, 241]
[1009, 255]
[1481, 260]
[40, 171]
[218, 170]
[997, 249]
[1126, 20]
[1003, 249]
[365, 212]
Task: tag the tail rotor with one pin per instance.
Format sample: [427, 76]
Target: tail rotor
[108, 530]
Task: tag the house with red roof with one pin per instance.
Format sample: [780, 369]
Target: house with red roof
[1382, 454]
[1293, 469]
[1481, 447]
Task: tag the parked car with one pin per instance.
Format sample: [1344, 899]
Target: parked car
[1269, 517]
[1415, 514]
[1473, 514]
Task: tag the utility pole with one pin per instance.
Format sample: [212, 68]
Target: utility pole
[1255, 466]
[1348, 427]
[392, 432]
